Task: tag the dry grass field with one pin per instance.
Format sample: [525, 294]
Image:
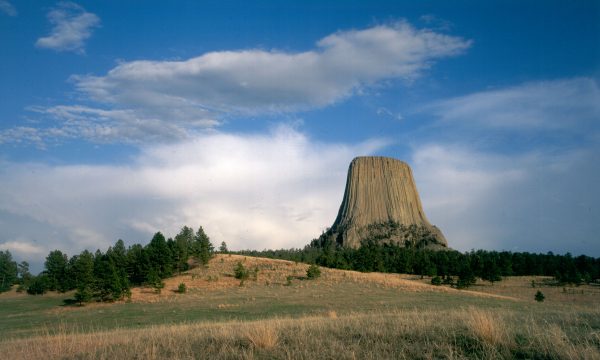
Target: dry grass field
[281, 315]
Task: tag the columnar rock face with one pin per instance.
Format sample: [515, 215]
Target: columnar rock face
[381, 203]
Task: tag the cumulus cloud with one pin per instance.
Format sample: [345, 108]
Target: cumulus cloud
[72, 26]
[537, 191]
[259, 81]
[8, 8]
[143, 100]
[253, 191]
[532, 202]
[23, 248]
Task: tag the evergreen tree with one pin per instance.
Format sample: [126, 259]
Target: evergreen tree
[108, 285]
[313, 272]
[39, 285]
[240, 272]
[56, 269]
[539, 296]
[8, 271]
[118, 255]
[204, 248]
[84, 295]
[491, 271]
[155, 281]
[184, 242]
[138, 264]
[23, 273]
[160, 256]
[223, 248]
[83, 273]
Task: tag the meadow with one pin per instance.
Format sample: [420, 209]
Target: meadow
[281, 314]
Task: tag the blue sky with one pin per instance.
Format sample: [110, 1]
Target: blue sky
[118, 120]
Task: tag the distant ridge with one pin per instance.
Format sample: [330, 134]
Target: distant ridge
[381, 203]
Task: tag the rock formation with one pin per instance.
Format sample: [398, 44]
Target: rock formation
[381, 203]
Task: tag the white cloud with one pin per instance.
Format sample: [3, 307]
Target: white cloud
[143, 101]
[253, 191]
[531, 202]
[259, 81]
[515, 168]
[72, 26]
[23, 248]
[566, 105]
[8, 8]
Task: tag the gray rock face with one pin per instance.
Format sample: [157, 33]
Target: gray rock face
[381, 203]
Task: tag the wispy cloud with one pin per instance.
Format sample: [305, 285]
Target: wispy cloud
[252, 191]
[140, 100]
[72, 26]
[545, 105]
[8, 8]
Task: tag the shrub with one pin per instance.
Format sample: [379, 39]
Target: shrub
[83, 294]
[240, 272]
[39, 285]
[436, 280]
[313, 272]
[182, 288]
[539, 296]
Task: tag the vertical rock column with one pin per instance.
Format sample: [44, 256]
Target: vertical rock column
[379, 190]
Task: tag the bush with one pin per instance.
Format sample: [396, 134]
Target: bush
[83, 294]
[182, 289]
[313, 272]
[240, 272]
[39, 285]
[436, 280]
[539, 296]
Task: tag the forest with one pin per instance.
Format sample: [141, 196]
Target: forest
[109, 276]
[448, 266]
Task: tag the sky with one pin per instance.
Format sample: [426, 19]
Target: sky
[119, 119]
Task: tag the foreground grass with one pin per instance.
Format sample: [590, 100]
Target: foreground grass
[341, 315]
[466, 333]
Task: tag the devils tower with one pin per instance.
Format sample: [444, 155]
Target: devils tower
[381, 203]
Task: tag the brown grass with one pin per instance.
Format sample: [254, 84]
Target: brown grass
[408, 334]
[263, 334]
[489, 327]
[272, 272]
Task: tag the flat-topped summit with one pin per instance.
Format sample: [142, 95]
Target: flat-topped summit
[381, 203]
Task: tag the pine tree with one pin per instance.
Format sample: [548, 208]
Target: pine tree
[223, 248]
[56, 269]
[204, 248]
[8, 271]
[138, 264]
[23, 273]
[539, 296]
[108, 285]
[184, 242]
[160, 256]
[83, 295]
[83, 273]
[39, 285]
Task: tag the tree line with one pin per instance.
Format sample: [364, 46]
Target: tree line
[109, 276]
[450, 266]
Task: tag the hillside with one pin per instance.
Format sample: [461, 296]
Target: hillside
[342, 314]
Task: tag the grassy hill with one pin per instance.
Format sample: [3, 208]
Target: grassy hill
[281, 314]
